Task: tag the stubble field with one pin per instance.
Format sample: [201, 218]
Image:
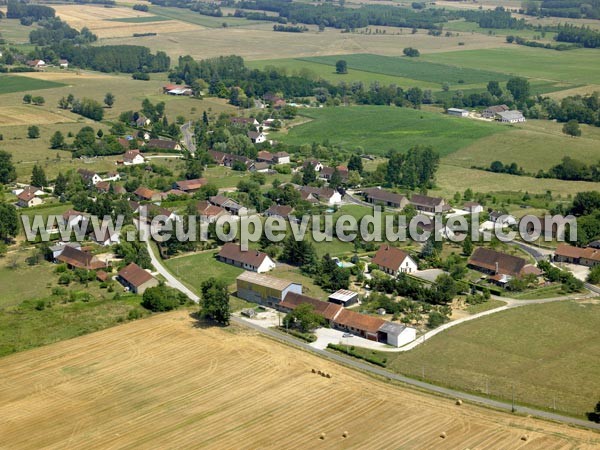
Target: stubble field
[166, 383]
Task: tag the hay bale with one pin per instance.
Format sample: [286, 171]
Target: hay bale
[443, 435]
[525, 437]
[328, 375]
[313, 371]
[459, 402]
[319, 372]
[345, 434]
[322, 436]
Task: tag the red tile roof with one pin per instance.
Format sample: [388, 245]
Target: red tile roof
[135, 275]
[234, 252]
[389, 257]
[325, 309]
[364, 322]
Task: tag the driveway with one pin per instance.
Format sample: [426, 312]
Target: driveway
[327, 336]
[428, 274]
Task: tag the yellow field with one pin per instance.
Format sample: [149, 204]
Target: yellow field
[162, 382]
[29, 115]
[95, 18]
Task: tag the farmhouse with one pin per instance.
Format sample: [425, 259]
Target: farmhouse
[105, 186]
[316, 165]
[28, 198]
[218, 157]
[71, 217]
[144, 193]
[163, 144]
[89, 177]
[428, 204]
[496, 263]
[473, 207]
[257, 137]
[512, 116]
[133, 157]
[264, 156]
[58, 248]
[63, 63]
[491, 111]
[378, 196]
[588, 256]
[136, 279]
[281, 158]
[34, 189]
[37, 63]
[189, 186]
[327, 173]
[344, 297]
[328, 311]
[260, 167]
[78, 259]
[394, 261]
[250, 259]
[458, 112]
[325, 195]
[282, 211]
[209, 213]
[264, 289]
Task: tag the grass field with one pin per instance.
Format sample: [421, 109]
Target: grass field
[14, 32]
[21, 282]
[413, 69]
[141, 19]
[536, 137]
[193, 270]
[378, 129]
[198, 19]
[12, 83]
[166, 382]
[579, 66]
[548, 352]
[472, 27]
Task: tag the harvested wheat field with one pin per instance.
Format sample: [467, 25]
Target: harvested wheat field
[101, 21]
[162, 382]
[29, 115]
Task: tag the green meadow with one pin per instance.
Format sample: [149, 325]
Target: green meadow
[12, 83]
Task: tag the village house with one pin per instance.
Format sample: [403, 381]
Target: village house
[190, 186]
[473, 207]
[218, 157]
[378, 196]
[325, 195]
[264, 156]
[327, 172]
[30, 196]
[587, 256]
[260, 167]
[144, 193]
[105, 238]
[37, 64]
[491, 111]
[63, 63]
[500, 266]
[394, 261]
[502, 219]
[58, 248]
[133, 157]
[75, 258]
[316, 165]
[73, 218]
[89, 177]
[140, 121]
[36, 190]
[282, 211]
[209, 213]
[136, 279]
[244, 121]
[105, 187]
[510, 116]
[264, 289]
[252, 260]
[428, 204]
[163, 144]
[178, 90]
[281, 158]
[257, 137]
[229, 205]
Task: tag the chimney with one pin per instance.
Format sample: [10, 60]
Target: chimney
[496, 268]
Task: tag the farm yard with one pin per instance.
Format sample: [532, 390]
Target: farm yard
[171, 383]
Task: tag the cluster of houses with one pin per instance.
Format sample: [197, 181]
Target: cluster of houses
[422, 203]
[287, 295]
[263, 163]
[584, 256]
[40, 64]
[501, 113]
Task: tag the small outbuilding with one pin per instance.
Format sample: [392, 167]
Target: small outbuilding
[344, 297]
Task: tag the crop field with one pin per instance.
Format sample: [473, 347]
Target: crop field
[12, 83]
[378, 129]
[14, 32]
[413, 69]
[451, 179]
[550, 353]
[167, 382]
[472, 27]
[101, 21]
[195, 18]
[29, 115]
[579, 66]
[141, 19]
[535, 145]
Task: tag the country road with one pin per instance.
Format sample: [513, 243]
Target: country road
[188, 137]
[355, 364]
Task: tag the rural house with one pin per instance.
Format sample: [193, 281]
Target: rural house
[229, 205]
[325, 195]
[510, 116]
[163, 144]
[394, 261]
[281, 158]
[144, 193]
[497, 264]
[78, 259]
[257, 137]
[491, 111]
[133, 157]
[28, 197]
[264, 289]
[378, 196]
[588, 256]
[250, 259]
[209, 213]
[282, 211]
[136, 279]
[328, 311]
[473, 207]
[89, 177]
[189, 186]
[428, 204]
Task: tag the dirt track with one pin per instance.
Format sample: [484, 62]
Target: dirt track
[163, 383]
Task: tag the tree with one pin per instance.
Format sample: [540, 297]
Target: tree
[304, 317]
[109, 99]
[519, 88]
[38, 100]
[33, 132]
[411, 52]
[572, 128]
[193, 169]
[467, 246]
[341, 67]
[38, 177]
[493, 87]
[299, 253]
[57, 140]
[27, 98]
[8, 172]
[60, 184]
[215, 301]
[309, 175]
[336, 179]
[594, 416]
[162, 298]
[9, 221]
[355, 163]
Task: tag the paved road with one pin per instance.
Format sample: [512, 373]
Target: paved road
[172, 281]
[188, 137]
